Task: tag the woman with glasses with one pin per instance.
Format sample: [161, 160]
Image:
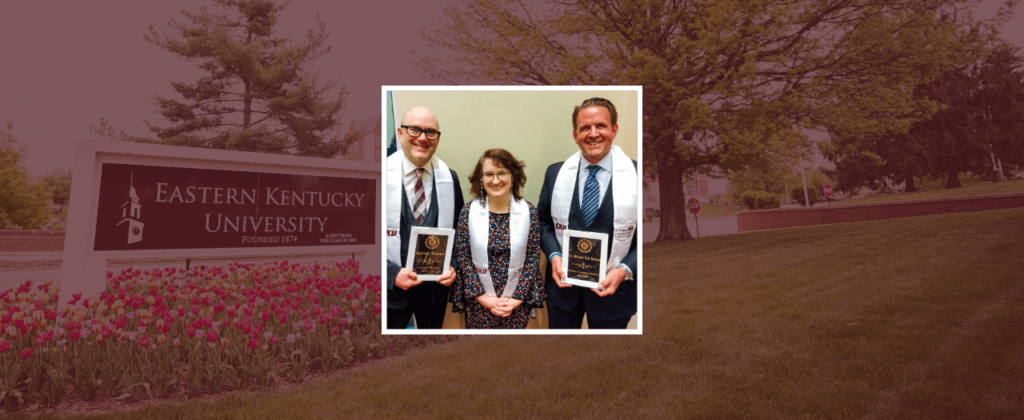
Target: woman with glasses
[497, 248]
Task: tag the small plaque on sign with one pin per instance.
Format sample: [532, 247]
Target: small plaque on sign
[584, 257]
[430, 252]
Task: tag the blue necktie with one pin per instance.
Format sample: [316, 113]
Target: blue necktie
[590, 196]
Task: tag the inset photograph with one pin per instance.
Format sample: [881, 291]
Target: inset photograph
[513, 209]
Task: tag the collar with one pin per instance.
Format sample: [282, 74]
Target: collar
[408, 167]
[605, 163]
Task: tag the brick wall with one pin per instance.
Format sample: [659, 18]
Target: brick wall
[793, 217]
[31, 240]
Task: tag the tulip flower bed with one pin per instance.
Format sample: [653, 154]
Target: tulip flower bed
[153, 332]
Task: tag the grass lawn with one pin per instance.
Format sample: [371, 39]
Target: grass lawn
[1010, 186]
[913, 318]
[709, 210]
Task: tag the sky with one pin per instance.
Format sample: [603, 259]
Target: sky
[66, 64]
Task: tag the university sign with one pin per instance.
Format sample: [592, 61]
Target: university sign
[144, 202]
[156, 207]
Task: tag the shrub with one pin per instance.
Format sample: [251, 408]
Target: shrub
[767, 200]
[754, 200]
[798, 194]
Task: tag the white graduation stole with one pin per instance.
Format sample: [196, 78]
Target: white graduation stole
[443, 185]
[519, 236]
[624, 195]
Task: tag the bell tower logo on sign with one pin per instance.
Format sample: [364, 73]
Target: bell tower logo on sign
[131, 212]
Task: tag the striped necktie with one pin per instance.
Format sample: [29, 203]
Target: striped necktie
[419, 207]
[591, 200]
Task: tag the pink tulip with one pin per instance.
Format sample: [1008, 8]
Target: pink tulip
[144, 340]
[376, 308]
[334, 331]
[211, 336]
[253, 344]
[191, 331]
[25, 354]
[74, 335]
[4, 346]
[273, 339]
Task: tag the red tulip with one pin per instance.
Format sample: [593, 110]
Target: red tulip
[144, 340]
[4, 346]
[334, 331]
[191, 331]
[211, 336]
[253, 344]
[273, 339]
[25, 354]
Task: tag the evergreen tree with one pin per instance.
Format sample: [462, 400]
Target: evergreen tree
[260, 94]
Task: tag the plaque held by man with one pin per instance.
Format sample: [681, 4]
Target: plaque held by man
[430, 252]
[584, 257]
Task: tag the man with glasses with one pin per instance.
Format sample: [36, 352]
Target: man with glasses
[421, 191]
[595, 191]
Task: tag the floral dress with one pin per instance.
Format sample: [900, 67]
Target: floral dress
[467, 284]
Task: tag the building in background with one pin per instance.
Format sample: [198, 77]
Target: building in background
[706, 189]
[367, 148]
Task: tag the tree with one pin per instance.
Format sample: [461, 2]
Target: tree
[58, 183]
[724, 80]
[260, 94]
[22, 203]
[768, 175]
[981, 117]
[816, 181]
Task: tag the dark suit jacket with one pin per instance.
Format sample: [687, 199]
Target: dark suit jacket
[620, 305]
[398, 298]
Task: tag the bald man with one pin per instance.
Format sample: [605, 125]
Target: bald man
[422, 191]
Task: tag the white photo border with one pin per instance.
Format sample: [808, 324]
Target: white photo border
[638, 276]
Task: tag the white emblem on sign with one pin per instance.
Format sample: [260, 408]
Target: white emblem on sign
[131, 212]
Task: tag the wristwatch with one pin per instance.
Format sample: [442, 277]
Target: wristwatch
[629, 274]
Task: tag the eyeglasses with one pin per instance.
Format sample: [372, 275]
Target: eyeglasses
[416, 131]
[503, 175]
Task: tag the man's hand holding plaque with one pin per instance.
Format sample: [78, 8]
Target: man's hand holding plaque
[430, 254]
[584, 257]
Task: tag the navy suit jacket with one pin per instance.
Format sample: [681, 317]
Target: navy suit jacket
[398, 298]
[620, 305]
